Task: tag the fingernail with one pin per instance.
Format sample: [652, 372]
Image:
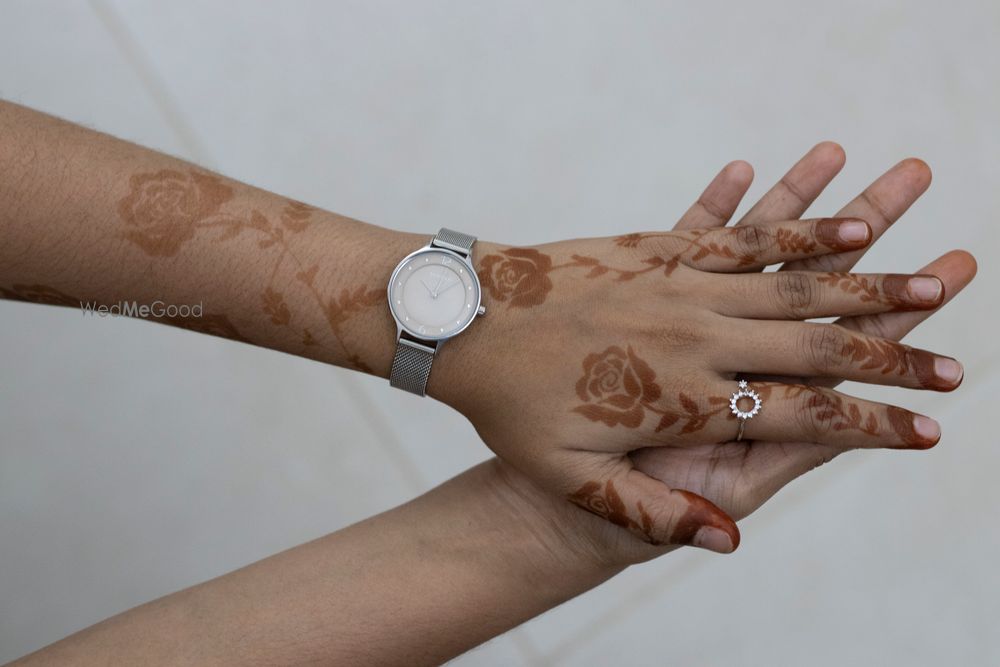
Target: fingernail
[928, 429]
[948, 370]
[924, 288]
[853, 232]
[713, 539]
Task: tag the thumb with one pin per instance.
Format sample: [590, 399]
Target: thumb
[657, 514]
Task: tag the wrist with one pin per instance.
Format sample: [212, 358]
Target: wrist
[458, 379]
[558, 544]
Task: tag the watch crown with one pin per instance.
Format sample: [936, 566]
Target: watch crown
[481, 310]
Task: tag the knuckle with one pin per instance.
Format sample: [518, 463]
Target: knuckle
[823, 347]
[794, 291]
[752, 239]
[815, 414]
[680, 334]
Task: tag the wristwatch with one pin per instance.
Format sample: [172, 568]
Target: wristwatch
[434, 295]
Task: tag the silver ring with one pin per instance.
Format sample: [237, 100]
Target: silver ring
[743, 415]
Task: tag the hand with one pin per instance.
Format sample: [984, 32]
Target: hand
[739, 477]
[653, 363]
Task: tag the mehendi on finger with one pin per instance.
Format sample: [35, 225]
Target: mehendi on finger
[893, 292]
[890, 357]
[604, 501]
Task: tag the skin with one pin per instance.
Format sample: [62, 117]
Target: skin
[493, 538]
[681, 313]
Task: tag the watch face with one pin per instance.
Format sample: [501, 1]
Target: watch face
[433, 294]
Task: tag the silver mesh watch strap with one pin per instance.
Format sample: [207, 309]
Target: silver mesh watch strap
[455, 241]
[411, 366]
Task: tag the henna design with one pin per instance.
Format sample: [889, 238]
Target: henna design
[349, 303]
[893, 288]
[275, 307]
[830, 407]
[701, 512]
[520, 276]
[42, 294]
[791, 241]
[607, 504]
[517, 275]
[901, 422]
[891, 357]
[618, 387]
[165, 209]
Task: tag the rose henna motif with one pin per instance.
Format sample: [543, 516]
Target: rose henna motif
[164, 209]
[517, 275]
[618, 387]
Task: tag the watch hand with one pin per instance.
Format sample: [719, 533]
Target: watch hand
[429, 290]
[450, 285]
[441, 277]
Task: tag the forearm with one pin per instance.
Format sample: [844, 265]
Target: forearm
[416, 585]
[85, 217]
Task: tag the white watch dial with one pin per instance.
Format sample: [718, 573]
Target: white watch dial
[433, 294]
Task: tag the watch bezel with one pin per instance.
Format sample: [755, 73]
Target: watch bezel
[466, 261]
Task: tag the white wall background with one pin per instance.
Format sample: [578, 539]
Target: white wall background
[136, 459]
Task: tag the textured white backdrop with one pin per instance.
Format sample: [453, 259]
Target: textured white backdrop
[136, 459]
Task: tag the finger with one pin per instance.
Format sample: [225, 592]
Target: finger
[955, 270]
[805, 413]
[801, 295]
[797, 189]
[737, 249]
[771, 465]
[881, 204]
[654, 512]
[809, 349]
[720, 199]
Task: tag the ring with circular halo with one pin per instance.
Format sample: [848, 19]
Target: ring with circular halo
[744, 391]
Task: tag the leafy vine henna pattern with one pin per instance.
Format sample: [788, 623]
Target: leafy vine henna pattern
[521, 276]
[618, 388]
[892, 357]
[894, 292]
[165, 209]
[834, 410]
